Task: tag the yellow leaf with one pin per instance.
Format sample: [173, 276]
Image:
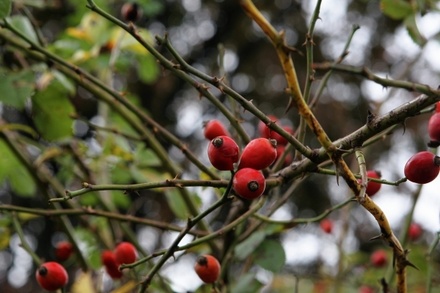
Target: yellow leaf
[127, 287]
[83, 284]
[128, 42]
[5, 235]
[27, 217]
[79, 33]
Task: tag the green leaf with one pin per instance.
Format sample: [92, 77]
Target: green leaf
[5, 8]
[147, 68]
[396, 9]
[270, 255]
[247, 284]
[413, 30]
[176, 203]
[23, 24]
[52, 112]
[13, 171]
[245, 248]
[16, 87]
[22, 182]
[120, 199]
[145, 157]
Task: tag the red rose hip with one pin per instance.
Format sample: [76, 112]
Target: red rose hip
[51, 276]
[422, 167]
[434, 127]
[326, 225]
[214, 128]
[379, 258]
[111, 265]
[63, 250]
[372, 186]
[125, 253]
[258, 154]
[207, 268]
[223, 153]
[414, 231]
[263, 129]
[249, 183]
[266, 132]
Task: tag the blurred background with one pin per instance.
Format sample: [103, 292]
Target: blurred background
[218, 38]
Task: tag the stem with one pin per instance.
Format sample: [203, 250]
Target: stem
[190, 223]
[431, 250]
[24, 243]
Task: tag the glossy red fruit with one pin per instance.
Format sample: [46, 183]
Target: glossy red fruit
[258, 154]
[51, 276]
[266, 132]
[125, 253]
[214, 128]
[223, 153]
[281, 140]
[422, 167]
[263, 129]
[437, 107]
[414, 231]
[131, 11]
[249, 183]
[379, 258]
[63, 250]
[373, 187]
[111, 265]
[434, 127]
[326, 225]
[207, 268]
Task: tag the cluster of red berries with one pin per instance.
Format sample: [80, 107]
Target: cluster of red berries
[52, 275]
[424, 166]
[258, 154]
[208, 268]
[124, 253]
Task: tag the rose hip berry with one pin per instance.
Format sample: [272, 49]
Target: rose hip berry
[223, 153]
[434, 128]
[131, 11]
[266, 132]
[372, 187]
[258, 154]
[111, 265]
[249, 183]
[51, 276]
[263, 129]
[326, 225]
[414, 231]
[422, 167]
[214, 128]
[125, 253]
[207, 268]
[63, 250]
[379, 258]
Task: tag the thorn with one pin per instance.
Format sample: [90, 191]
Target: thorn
[370, 117]
[289, 105]
[404, 126]
[410, 264]
[380, 236]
